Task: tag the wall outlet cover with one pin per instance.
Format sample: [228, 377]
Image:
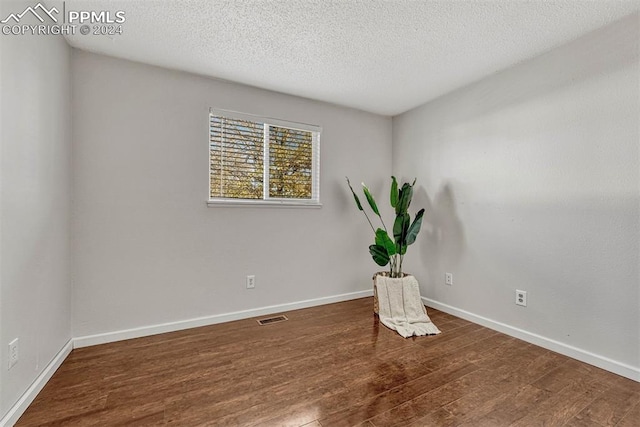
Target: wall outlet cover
[251, 282]
[448, 279]
[13, 353]
[521, 298]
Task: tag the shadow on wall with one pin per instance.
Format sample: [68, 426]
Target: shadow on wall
[443, 241]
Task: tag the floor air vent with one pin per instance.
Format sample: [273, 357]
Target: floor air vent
[270, 320]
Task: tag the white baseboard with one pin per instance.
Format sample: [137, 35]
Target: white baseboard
[211, 320]
[605, 363]
[28, 396]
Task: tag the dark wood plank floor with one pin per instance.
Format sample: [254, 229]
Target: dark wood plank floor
[333, 365]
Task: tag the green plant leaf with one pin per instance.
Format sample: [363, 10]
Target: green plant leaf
[414, 228]
[383, 239]
[403, 250]
[400, 228]
[355, 196]
[406, 193]
[379, 254]
[394, 192]
[370, 199]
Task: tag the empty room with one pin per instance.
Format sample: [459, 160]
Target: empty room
[320, 213]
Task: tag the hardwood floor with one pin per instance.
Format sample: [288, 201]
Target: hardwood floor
[332, 365]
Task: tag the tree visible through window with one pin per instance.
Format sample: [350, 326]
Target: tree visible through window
[290, 163]
[262, 159]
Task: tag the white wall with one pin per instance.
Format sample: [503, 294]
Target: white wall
[147, 249]
[531, 181]
[35, 168]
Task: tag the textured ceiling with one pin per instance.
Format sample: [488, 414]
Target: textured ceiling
[380, 56]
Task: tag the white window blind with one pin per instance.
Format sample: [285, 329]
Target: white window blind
[263, 161]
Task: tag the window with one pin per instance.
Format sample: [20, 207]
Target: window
[262, 161]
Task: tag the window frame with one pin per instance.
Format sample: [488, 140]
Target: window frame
[266, 200]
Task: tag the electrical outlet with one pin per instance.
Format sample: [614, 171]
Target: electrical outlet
[521, 298]
[251, 282]
[448, 279]
[13, 353]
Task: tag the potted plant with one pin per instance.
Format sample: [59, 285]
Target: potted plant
[387, 250]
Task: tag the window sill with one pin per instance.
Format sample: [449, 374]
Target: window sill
[263, 204]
